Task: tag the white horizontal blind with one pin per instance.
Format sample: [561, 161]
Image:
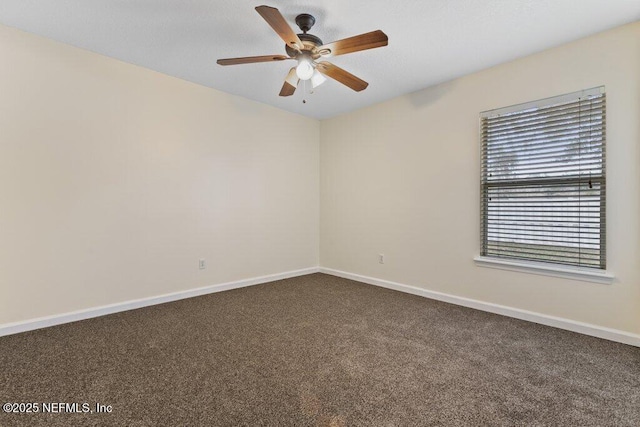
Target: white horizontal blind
[543, 183]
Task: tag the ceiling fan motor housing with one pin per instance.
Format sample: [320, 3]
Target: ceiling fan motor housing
[305, 22]
[309, 40]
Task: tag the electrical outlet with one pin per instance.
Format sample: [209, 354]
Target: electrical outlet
[381, 258]
[202, 264]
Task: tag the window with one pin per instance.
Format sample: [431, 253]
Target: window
[543, 181]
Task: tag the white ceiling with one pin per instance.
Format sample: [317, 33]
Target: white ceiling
[430, 41]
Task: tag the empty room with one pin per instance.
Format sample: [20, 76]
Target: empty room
[328, 213]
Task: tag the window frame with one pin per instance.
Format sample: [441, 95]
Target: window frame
[549, 268]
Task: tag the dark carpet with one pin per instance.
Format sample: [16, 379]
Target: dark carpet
[317, 351]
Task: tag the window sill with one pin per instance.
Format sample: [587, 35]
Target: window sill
[565, 272]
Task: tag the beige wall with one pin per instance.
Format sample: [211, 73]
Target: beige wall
[115, 179]
[402, 178]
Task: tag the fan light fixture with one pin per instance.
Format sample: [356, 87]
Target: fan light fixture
[317, 79]
[304, 70]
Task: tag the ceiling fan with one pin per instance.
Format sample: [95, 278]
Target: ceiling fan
[309, 51]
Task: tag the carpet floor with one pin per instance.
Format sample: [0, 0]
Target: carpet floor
[317, 350]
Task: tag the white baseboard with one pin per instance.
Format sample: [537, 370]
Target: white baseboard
[557, 322]
[44, 322]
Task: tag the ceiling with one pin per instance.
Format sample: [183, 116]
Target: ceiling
[430, 41]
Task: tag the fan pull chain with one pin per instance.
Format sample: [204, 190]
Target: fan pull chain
[304, 91]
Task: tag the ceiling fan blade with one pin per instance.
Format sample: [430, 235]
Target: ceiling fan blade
[290, 83]
[279, 24]
[287, 89]
[355, 44]
[252, 59]
[344, 77]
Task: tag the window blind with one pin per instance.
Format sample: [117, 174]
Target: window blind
[543, 181]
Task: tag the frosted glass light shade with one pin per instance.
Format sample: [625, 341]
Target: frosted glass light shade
[317, 79]
[304, 70]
